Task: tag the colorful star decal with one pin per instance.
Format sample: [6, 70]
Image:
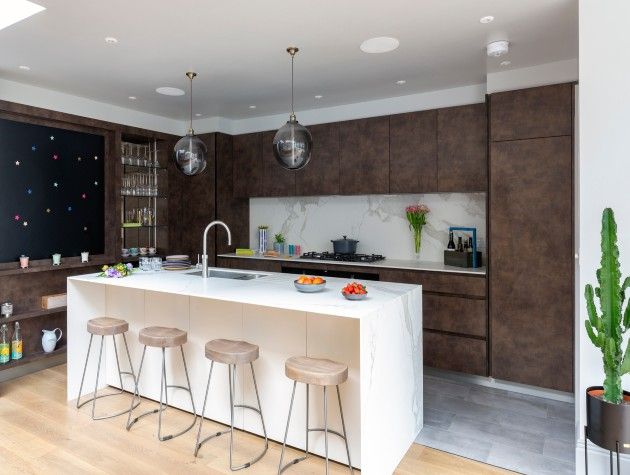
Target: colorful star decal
[48, 210]
[69, 208]
[56, 185]
[55, 157]
[25, 223]
[29, 191]
[84, 196]
[16, 217]
[17, 163]
[34, 148]
[85, 228]
[79, 159]
[52, 137]
[95, 157]
[95, 183]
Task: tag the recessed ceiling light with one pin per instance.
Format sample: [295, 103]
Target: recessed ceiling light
[252, 107]
[498, 48]
[170, 91]
[12, 11]
[132, 98]
[110, 40]
[197, 114]
[380, 44]
[486, 19]
[506, 63]
[24, 68]
[318, 96]
[400, 82]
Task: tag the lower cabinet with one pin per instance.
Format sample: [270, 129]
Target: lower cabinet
[454, 308]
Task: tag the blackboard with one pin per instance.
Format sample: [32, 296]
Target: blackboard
[51, 191]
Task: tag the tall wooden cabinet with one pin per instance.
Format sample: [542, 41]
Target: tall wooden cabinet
[531, 291]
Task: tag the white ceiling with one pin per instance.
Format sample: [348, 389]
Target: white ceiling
[238, 49]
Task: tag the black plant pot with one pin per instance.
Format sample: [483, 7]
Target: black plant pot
[608, 424]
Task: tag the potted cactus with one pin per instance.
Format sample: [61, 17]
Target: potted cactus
[608, 406]
[278, 244]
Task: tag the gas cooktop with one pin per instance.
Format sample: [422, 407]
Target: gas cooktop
[331, 256]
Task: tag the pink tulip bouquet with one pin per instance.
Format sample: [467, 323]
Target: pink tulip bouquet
[417, 217]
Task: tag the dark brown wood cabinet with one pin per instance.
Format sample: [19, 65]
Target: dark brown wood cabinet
[277, 181]
[462, 139]
[248, 172]
[531, 236]
[455, 353]
[545, 111]
[364, 156]
[413, 152]
[321, 175]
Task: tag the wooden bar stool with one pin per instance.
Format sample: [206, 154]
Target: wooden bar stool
[320, 372]
[163, 337]
[231, 353]
[105, 326]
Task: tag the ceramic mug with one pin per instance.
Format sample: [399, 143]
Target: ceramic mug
[85, 256]
[50, 339]
[143, 251]
[56, 258]
[152, 251]
[125, 252]
[133, 251]
[24, 262]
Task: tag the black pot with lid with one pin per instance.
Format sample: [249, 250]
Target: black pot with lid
[344, 245]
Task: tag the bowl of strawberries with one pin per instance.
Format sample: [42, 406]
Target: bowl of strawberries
[354, 291]
[309, 284]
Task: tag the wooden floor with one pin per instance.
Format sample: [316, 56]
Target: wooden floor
[42, 433]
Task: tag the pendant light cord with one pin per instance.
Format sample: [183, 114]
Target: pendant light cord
[292, 59]
[191, 105]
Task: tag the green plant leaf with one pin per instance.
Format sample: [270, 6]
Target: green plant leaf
[590, 306]
[625, 363]
[591, 334]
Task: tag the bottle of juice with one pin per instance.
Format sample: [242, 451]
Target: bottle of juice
[4, 345]
[16, 343]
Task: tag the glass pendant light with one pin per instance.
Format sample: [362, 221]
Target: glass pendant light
[293, 142]
[190, 151]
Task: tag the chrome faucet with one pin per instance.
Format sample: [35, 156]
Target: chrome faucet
[204, 256]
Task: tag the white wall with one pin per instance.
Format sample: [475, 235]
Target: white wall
[604, 169]
[377, 221]
[540, 75]
[61, 102]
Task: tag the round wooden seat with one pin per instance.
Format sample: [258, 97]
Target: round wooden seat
[320, 372]
[162, 337]
[231, 351]
[107, 326]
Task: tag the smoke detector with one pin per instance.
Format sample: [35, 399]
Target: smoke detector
[498, 48]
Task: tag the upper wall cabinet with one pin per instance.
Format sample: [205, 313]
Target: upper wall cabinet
[462, 148]
[364, 156]
[247, 166]
[321, 175]
[532, 113]
[413, 152]
[277, 181]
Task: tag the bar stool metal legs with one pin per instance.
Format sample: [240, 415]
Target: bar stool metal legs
[258, 410]
[325, 430]
[164, 387]
[96, 396]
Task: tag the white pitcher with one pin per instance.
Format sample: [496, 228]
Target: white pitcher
[50, 339]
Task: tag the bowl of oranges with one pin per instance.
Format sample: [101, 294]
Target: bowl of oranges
[354, 291]
[309, 284]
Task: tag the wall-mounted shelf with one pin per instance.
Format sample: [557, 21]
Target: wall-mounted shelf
[18, 317]
[74, 264]
[40, 355]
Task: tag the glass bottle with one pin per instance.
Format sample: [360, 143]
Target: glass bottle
[460, 244]
[16, 343]
[4, 345]
[451, 242]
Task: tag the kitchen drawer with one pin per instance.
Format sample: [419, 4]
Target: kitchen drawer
[248, 264]
[442, 282]
[455, 353]
[455, 314]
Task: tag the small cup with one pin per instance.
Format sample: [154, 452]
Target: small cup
[152, 251]
[7, 309]
[143, 251]
[24, 262]
[125, 252]
[291, 249]
[85, 256]
[297, 250]
[145, 264]
[56, 258]
[133, 251]
[156, 263]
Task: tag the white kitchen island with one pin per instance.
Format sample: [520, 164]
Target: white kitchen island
[380, 340]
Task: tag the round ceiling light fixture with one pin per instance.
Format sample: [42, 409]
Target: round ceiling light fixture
[24, 67]
[401, 82]
[498, 48]
[506, 63]
[110, 40]
[190, 151]
[486, 19]
[132, 98]
[170, 91]
[293, 142]
[380, 44]
[318, 96]
[252, 107]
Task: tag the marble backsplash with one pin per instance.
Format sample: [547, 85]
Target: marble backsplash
[377, 221]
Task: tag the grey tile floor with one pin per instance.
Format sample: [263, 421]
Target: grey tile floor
[527, 434]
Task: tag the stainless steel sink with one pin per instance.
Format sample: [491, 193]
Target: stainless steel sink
[230, 275]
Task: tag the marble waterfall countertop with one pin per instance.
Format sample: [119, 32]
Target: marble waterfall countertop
[272, 290]
[386, 263]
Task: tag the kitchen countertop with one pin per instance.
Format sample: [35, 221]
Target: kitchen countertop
[387, 263]
[274, 290]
